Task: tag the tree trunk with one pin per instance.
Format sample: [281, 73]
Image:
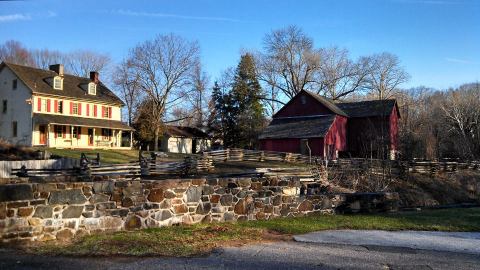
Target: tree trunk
[155, 143]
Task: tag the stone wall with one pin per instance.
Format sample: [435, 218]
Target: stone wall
[49, 211]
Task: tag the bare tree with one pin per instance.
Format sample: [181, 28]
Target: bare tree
[127, 83]
[385, 75]
[81, 62]
[165, 66]
[14, 52]
[198, 97]
[43, 58]
[338, 75]
[289, 63]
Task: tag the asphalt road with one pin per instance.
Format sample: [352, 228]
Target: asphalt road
[277, 255]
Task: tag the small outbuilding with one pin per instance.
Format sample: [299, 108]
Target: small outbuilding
[187, 140]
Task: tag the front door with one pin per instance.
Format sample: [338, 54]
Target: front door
[90, 136]
[43, 134]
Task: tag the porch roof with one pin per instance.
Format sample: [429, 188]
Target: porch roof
[44, 119]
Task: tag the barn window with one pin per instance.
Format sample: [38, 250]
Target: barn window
[14, 129]
[303, 99]
[5, 106]
[14, 84]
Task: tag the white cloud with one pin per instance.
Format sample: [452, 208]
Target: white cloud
[15, 17]
[458, 61]
[26, 16]
[173, 16]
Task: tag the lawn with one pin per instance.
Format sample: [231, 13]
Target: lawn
[194, 240]
[106, 156]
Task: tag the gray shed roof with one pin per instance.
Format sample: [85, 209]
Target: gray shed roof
[298, 127]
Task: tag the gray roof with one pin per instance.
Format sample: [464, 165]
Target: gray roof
[43, 119]
[36, 80]
[370, 108]
[185, 132]
[298, 127]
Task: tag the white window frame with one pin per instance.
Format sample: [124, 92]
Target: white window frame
[92, 88]
[57, 80]
[43, 105]
[75, 108]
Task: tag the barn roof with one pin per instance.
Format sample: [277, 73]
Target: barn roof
[369, 108]
[298, 127]
[36, 80]
[186, 132]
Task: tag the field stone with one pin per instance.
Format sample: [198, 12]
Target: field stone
[135, 189]
[72, 212]
[163, 215]
[98, 198]
[103, 187]
[16, 192]
[43, 212]
[169, 194]
[69, 196]
[156, 195]
[65, 235]
[226, 200]
[194, 194]
[305, 206]
[133, 222]
[203, 208]
[25, 211]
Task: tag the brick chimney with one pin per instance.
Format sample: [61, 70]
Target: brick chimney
[94, 76]
[58, 68]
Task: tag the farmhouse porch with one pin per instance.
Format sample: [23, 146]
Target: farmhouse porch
[67, 132]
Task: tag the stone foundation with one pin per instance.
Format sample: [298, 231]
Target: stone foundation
[60, 211]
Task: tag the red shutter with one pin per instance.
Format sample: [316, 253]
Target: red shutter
[109, 112]
[71, 107]
[79, 131]
[55, 106]
[103, 111]
[48, 105]
[95, 110]
[79, 108]
[88, 109]
[39, 105]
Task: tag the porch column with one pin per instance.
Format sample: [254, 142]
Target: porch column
[48, 135]
[71, 135]
[119, 138]
[94, 136]
[131, 139]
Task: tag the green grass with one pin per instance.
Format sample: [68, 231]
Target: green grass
[106, 156]
[181, 241]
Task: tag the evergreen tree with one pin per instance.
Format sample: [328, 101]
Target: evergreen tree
[245, 109]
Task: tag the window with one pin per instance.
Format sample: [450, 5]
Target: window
[76, 132]
[106, 133]
[4, 108]
[92, 89]
[60, 106]
[14, 129]
[44, 105]
[74, 108]
[59, 132]
[14, 84]
[106, 111]
[58, 83]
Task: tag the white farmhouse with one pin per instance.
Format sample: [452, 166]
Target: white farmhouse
[49, 108]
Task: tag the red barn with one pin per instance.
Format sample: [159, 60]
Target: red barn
[310, 123]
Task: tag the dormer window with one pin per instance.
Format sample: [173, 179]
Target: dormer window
[58, 83]
[92, 88]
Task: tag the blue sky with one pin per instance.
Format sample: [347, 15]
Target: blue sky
[438, 41]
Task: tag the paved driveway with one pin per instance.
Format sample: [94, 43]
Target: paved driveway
[275, 256]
